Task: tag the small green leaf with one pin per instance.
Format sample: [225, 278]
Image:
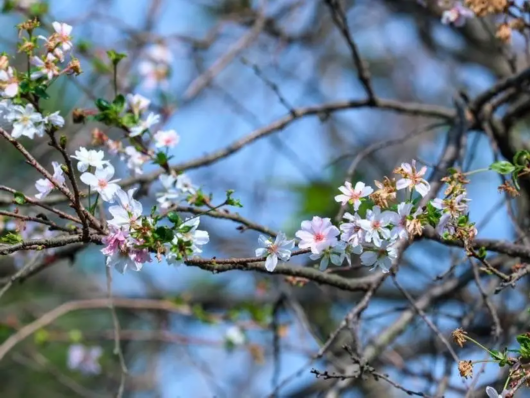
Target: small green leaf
[20, 199]
[41, 336]
[163, 234]
[502, 167]
[174, 217]
[119, 103]
[103, 105]
[521, 158]
[115, 57]
[75, 335]
[11, 238]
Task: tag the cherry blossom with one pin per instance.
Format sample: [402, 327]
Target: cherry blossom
[189, 233]
[170, 195]
[144, 125]
[375, 225]
[234, 335]
[137, 103]
[126, 256]
[84, 359]
[317, 234]
[280, 248]
[168, 139]
[336, 254]
[353, 195]
[399, 220]
[55, 119]
[128, 211]
[492, 393]
[62, 35]
[45, 186]
[412, 178]
[457, 15]
[8, 83]
[135, 159]
[101, 181]
[185, 185]
[154, 75]
[89, 158]
[114, 240]
[381, 257]
[26, 121]
[352, 231]
[451, 208]
[46, 67]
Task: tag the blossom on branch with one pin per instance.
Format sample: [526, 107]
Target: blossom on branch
[26, 121]
[45, 186]
[84, 359]
[353, 195]
[8, 83]
[317, 235]
[101, 181]
[89, 158]
[168, 139]
[376, 224]
[280, 248]
[412, 178]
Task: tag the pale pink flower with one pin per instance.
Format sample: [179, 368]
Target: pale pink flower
[457, 15]
[46, 67]
[317, 234]
[353, 195]
[168, 139]
[45, 186]
[413, 179]
[62, 35]
[375, 225]
[280, 248]
[101, 181]
[8, 83]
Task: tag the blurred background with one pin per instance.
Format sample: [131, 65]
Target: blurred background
[269, 57]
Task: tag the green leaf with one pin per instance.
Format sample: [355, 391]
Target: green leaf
[521, 158]
[20, 199]
[40, 91]
[502, 167]
[103, 105]
[174, 217]
[41, 336]
[11, 238]
[129, 120]
[75, 335]
[119, 103]
[115, 57]
[482, 252]
[163, 234]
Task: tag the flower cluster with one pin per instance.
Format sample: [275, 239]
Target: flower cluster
[378, 221]
[155, 69]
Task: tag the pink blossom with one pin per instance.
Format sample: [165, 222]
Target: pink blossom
[317, 234]
[353, 195]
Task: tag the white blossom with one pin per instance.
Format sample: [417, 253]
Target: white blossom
[46, 67]
[280, 248]
[353, 195]
[84, 359]
[168, 139]
[55, 119]
[399, 220]
[62, 35]
[26, 121]
[127, 212]
[135, 159]
[413, 179]
[190, 233]
[382, 256]
[89, 158]
[137, 103]
[375, 225]
[45, 186]
[235, 336]
[101, 181]
[146, 124]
